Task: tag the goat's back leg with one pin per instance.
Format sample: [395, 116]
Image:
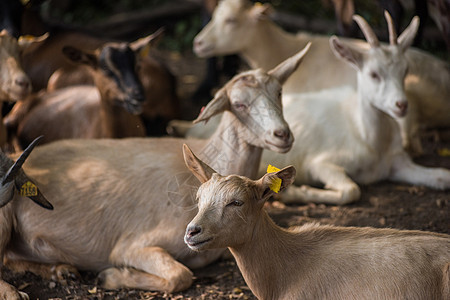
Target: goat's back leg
[149, 268]
[405, 170]
[339, 188]
[55, 272]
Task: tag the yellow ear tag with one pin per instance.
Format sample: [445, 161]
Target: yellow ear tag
[276, 184]
[28, 189]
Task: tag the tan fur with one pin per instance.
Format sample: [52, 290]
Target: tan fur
[314, 261]
[121, 206]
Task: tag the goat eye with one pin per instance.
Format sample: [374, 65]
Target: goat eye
[240, 106]
[374, 76]
[235, 203]
[230, 20]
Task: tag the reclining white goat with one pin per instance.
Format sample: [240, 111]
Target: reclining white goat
[354, 139]
[121, 206]
[238, 27]
[312, 261]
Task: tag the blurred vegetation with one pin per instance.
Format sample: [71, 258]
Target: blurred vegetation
[180, 35]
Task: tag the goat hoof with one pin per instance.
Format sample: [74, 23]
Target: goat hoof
[63, 272]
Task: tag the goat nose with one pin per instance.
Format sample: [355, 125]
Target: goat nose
[198, 43]
[193, 230]
[22, 81]
[282, 134]
[402, 105]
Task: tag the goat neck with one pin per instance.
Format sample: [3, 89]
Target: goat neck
[268, 35]
[266, 251]
[229, 150]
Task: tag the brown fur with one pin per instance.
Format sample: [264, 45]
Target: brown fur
[313, 261]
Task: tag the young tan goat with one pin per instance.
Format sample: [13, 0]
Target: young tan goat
[312, 261]
[123, 204]
[107, 110]
[14, 83]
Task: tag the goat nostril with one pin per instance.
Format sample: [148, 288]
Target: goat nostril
[198, 43]
[403, 105]
[193, 230]
[22, 82]
[282, 134]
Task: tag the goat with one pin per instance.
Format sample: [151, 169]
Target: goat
[131, 199]
[107, 110]
[311, 261]
[13, 180]
[353, 138]
[14, 82]
[42, 60]
[438, 10]
[237, 27]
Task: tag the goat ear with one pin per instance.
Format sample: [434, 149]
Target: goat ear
[406, 39]
[342, 51]
[220, 103]
[27, 40]
[287, 67]
[261, 11]
[202, 171]
[22, 182]
[286, 175]
[142, 45]
[80, 57]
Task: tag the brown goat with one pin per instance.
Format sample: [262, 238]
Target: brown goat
[107, 110]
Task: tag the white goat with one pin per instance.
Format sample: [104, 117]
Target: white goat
[121, 206]
[312, 261]
[238, 27]
[341, 141]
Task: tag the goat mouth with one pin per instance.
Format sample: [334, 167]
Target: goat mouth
[203, 51]
[197, 245]
[281, 148]
[400, 113]
[133, 107]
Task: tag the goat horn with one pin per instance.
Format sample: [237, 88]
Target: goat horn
[367, 31]
[14, 170]
[391, 27]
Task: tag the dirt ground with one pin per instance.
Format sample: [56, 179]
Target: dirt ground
[382, 205]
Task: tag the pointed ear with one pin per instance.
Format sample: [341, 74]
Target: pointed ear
[27, 40]
[202, 171]
[261, 11]
[21, 181]
[142, 46]
[344, 52]
[406, 39]
[287, 67]
[286, 175]
[217, 105]
[80, 57]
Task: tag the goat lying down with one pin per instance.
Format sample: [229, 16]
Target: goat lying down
[343, 142]
[240, 27]
[14, 82]
[108, 109]
[131, 199]
[311, 261]
[15, 186]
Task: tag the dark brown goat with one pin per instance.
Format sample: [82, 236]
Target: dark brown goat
[107, 110]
